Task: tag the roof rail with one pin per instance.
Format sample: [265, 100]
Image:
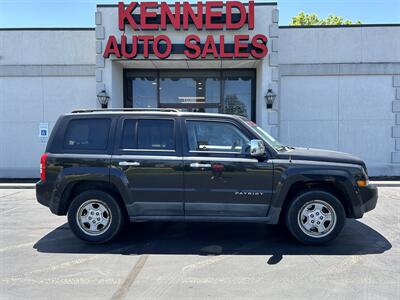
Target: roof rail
[124, 109]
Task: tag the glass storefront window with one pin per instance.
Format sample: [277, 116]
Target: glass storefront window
[142, 91]
[238, 93]
[225, 91]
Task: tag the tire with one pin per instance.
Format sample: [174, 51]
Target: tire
[95, 217]
[312, 207]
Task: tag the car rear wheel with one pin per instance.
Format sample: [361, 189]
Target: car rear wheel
[95, 217]
[315, 217]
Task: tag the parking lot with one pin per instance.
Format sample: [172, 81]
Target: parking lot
[41, 259]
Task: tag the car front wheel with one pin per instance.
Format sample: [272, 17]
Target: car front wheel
[95, 217]
[315, 217]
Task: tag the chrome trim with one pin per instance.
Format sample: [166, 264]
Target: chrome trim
[257, 148]
[149, 150]
[129, 163]
[227, 159]
[146, 157]
[218, 147]
[199, 165]
[183, 158]
[214, 152]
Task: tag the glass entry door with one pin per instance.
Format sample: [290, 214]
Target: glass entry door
[224, 91]
[191, 91]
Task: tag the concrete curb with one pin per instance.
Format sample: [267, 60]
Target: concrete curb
[17, 186]
[385, 183]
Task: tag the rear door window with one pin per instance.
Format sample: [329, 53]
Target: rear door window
[87, 134]
[148, 135]
[155, 134]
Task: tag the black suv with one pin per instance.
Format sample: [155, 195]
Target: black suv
[106, 167]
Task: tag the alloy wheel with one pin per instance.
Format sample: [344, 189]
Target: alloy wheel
[317, 218]
[93, 217]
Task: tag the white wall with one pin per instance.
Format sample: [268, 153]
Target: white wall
[42, 75]
[339, 45]
[47, 47]
[338, 86]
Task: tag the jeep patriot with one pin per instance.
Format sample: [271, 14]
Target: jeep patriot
[103, 168]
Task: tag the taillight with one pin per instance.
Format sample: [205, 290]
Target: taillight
[43, 160]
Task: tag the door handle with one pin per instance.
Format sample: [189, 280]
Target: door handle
[129, 163]
[199, 165]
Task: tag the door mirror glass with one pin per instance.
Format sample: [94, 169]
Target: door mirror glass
[257, 148]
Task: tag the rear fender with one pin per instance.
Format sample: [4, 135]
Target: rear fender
[66, 180]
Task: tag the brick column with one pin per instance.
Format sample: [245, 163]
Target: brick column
[100, 62]
[273, 46]
[396, 127]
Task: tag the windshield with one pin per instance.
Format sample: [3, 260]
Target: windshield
[265, 136]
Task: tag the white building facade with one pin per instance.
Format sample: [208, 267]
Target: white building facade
[337, 88]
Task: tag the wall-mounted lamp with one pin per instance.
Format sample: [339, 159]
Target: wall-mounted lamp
[103, 98]
[270, 98]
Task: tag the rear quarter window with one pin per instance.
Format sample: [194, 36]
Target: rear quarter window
[87, 134]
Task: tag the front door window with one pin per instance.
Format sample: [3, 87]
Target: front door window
[215, 137]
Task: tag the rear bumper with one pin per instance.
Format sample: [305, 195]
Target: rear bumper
[45, 196]
[368, 198]
[42, 193]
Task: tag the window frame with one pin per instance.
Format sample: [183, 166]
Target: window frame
[122, 132]
[118, 145]
[222, 73]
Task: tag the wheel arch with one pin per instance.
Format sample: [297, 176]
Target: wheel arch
[338, 184]
[75, 188]
[300, 187]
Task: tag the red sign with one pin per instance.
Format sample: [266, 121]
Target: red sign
[210, 15]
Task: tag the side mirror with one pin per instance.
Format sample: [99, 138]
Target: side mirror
[257, 148]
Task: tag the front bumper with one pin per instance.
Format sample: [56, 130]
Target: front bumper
[368, 198]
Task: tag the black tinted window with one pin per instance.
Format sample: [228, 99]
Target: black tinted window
[156, 134]
[87, 134]
[128, 140]
[216, 137]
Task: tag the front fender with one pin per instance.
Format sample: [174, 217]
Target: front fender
[292, 173]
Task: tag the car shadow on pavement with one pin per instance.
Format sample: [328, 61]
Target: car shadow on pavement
[216, 239]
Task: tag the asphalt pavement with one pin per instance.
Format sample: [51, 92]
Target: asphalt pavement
[41, 259]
